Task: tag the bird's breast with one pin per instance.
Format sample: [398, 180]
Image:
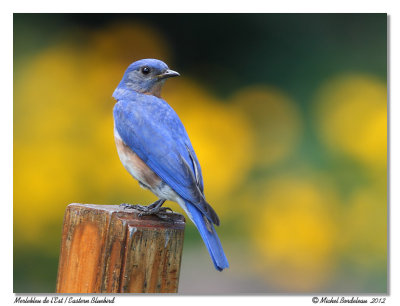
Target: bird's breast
[135, 165]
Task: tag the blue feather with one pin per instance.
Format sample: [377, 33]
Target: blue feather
[152, 129]
[210, 239]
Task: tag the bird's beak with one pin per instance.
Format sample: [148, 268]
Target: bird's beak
[168, 74]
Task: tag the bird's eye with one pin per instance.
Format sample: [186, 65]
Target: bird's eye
[145, 70]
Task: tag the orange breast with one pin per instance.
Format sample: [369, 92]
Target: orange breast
[135, 165]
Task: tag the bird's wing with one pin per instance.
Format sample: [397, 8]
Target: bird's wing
[152, 129]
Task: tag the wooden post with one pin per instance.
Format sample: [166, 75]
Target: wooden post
[109, 249]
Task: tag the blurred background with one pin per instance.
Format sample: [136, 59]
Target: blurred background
[288, 117]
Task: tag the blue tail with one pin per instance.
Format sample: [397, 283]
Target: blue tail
[210, 239]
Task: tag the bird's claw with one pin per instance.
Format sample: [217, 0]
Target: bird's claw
[160, 212]
[154, 211]
[133, 206]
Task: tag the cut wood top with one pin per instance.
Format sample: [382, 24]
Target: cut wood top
[175, 220]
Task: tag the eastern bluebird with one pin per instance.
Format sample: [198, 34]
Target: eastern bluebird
[154, 147]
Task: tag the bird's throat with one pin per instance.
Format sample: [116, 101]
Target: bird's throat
[156, 89]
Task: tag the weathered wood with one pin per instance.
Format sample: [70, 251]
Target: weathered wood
[108, 249]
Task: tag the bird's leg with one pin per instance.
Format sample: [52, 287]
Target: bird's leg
[156, 204]
[155, 208]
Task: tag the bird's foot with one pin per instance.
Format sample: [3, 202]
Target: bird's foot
[155, 211]
[152, 209]
[134, 206]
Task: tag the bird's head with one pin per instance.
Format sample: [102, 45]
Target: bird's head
[146, 76]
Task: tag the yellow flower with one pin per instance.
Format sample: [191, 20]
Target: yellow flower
[276, 120]
[295, 233]
[351, 114]
[128, 42]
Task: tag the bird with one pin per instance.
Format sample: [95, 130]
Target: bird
[155, 149]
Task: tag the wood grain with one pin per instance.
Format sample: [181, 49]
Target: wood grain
[108, 249]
